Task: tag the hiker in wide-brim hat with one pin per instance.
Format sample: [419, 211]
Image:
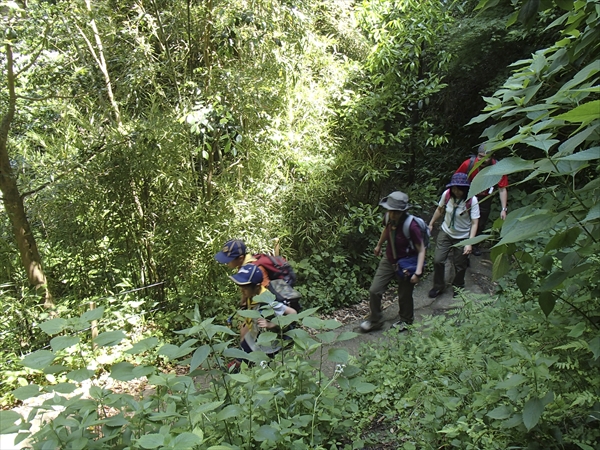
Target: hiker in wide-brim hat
[398, 246]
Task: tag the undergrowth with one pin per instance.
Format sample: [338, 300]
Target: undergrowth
[497, 375]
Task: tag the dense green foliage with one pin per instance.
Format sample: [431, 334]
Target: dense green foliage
[146, 134]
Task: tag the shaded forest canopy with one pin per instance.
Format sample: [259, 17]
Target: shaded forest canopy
[138, 136]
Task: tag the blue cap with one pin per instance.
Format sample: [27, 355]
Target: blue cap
[248, 274]
[231, 250]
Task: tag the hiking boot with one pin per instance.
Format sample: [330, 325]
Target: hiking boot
[434, 293]
[476, 250]
[400, 326]
[367, 326]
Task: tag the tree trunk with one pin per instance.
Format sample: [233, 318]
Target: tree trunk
[13, 201]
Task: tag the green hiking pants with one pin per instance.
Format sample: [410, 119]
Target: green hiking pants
[384, 275]
[444, 249]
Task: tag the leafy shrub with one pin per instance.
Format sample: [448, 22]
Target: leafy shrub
[287, 402]
[496, 375]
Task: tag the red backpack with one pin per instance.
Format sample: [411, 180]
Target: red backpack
[277, 267]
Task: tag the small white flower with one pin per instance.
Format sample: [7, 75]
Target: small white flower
[339, 368]
[264, 365]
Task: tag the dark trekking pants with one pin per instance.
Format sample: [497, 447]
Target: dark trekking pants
[384, 275]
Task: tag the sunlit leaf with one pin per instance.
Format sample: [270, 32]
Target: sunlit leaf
[109, 338]
[39, 359]
[584, 113]
[54, 326]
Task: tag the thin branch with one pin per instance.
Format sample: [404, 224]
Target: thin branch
[36, 99]
[36, 56]
[38, 189]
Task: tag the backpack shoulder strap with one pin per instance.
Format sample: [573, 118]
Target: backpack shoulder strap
[406, 226]
[446, 197]
[471, 164]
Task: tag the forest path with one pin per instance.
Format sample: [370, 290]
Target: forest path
[478, 280]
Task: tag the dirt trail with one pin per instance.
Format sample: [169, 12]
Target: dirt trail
[478, 280]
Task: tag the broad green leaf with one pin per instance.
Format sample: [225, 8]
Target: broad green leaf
[532, 412]
[553, 280]
[520, 350]
[482, 182]
[501, 412]
[346, 335]
[338, 355]
[239, 377]
[54, 326]
[511, 382]
[122, 371]
[80, 375]
[109, 338]
[583, 113]
[313, 322]
[546, 301]
[25, 392]
[62, 342]
[169, 350]
[206, 408]
[62, 388]
[326, 338]
[199, 357]
[593, 213]
[364, 388]
[585, 155]
[542, 144]
[249, 313]
[235, 353]
[185, 441]
[577, 330]
[266, 433]
[7, 420]
[523, 282]
[527, 227]
[38, 360]
[143, 346]
[501, 266]
[583, 75]
[152, 440]
[229, 411]
[565, 239]
[569, 146]
[92, 314]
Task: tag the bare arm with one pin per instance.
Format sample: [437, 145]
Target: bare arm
[469, 248]
[420, 263]
[504, 202]
[377, 250]
[436, 215]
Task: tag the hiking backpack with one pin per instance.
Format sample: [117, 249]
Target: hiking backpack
[426, 235]
[285, 294]
[277, 267]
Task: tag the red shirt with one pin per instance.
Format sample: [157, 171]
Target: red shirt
[464, 168]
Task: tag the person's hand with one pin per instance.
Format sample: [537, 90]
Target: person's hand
[468, 249]
[377, 250]
[430, 228]
[263, 323]
[414, 279]
[503, 214]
